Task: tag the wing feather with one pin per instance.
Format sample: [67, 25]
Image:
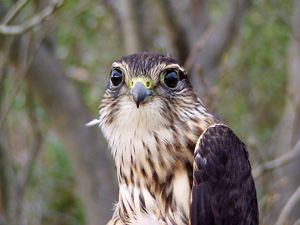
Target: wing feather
[223, 188]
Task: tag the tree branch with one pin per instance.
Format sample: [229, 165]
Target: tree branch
[32, 22]
[297, 222]
[197, 48]
[198, 15]
[287, 132]
[13, 11]
[87, 151]
[288, 207]
[19, 80]
[279, 162]
[126, 15]
[220, 39]
[132, 39]
[4, 186]
[26, 174]
[90, 161]
[225, 32]
[112, 6]
[177, 33]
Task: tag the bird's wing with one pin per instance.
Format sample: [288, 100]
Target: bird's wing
[223, 187]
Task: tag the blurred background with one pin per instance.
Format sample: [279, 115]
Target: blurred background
[243, 57]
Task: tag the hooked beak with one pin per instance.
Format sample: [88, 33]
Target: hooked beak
[139, 93]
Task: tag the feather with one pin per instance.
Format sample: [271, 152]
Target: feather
[154, 151]
[93, 122]
[146, 219]
[223, 190]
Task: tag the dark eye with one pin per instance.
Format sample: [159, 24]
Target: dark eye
[171, 78]
[116, 77]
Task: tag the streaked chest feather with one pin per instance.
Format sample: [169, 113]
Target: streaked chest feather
[153, 159]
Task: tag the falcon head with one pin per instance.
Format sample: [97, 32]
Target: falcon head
[147, 90]
[145, 77]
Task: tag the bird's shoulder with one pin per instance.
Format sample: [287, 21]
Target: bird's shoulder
[223, 186]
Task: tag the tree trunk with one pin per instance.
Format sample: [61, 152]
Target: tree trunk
[90, 162]
[85, 146]
[129, 25]
[223, 35]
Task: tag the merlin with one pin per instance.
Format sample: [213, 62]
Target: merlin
[176, 163]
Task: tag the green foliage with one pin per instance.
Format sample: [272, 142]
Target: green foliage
[251, 90]
[55, 180]
[63, 200]
[7, 3]
[88, 41]
[255, 75]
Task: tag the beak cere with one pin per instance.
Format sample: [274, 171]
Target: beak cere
[139, 93]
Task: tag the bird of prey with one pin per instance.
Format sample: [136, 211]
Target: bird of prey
[176, 163]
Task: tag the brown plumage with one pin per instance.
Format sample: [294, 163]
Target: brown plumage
[152, 120]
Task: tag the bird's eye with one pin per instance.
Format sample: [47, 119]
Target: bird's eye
[116, 77]
[171, 78]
